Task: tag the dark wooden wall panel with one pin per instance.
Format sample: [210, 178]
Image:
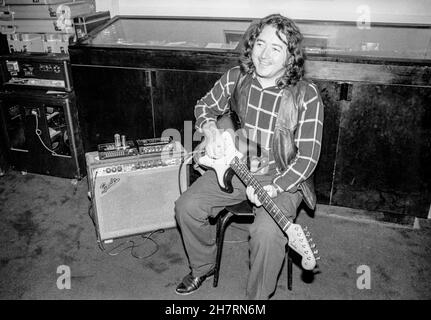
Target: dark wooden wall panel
[175, 96]
[112, 100]
[385, 150]
[324, 171]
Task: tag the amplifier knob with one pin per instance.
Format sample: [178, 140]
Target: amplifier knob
[119, 168]
[108, 170]
[114, 169]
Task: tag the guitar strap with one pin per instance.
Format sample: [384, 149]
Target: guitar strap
[239, 98]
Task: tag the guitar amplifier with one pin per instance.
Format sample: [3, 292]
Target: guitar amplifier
[46, 71]
[41, 132]
[134, 195]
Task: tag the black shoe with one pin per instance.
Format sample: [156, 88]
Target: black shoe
[190, 284]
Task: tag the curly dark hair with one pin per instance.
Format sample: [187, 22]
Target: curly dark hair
[296, 57]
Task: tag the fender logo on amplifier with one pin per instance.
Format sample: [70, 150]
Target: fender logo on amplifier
[106, 186]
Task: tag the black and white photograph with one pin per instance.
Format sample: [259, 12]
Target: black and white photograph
[216, 158]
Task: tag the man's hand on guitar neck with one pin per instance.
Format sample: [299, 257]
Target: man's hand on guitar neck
[253, 197]
[214, 143]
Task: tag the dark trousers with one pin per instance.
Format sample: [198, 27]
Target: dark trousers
[205, 199]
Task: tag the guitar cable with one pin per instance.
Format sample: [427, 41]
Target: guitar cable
[133, 246]
[39, 133]
[185, 160]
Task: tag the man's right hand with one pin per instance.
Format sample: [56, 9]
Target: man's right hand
[214, 144]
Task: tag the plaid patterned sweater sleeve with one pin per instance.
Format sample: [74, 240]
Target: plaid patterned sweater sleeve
[216, 101]
[308, 139]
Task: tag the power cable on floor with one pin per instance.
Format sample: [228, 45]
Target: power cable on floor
[133, 246]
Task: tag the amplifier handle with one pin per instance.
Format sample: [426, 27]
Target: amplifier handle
[6, 14]
[8, 29]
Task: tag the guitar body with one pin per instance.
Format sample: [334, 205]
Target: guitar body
[247, 150]
[221, 166]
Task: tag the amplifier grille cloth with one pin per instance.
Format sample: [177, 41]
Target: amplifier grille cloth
[136, 202]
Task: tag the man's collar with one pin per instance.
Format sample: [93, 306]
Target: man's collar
[254, 77]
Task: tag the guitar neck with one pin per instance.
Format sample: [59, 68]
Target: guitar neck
[244, 174]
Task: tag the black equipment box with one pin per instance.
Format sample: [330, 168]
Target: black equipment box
[36, 71]
[86, 23]
[41, 133]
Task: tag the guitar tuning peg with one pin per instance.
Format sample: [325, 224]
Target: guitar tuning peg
[313, 245]
[305, 228]
[317, 258]
[310, 240]
[316, 251]
[307, 234]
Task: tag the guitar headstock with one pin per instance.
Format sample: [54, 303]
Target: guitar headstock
[302, 243]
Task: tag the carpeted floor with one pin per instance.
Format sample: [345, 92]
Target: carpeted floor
[46, 229]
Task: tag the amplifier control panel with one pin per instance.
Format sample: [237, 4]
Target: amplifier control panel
[139, 165]
[37, 70]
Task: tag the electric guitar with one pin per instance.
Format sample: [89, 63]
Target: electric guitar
[230, 164]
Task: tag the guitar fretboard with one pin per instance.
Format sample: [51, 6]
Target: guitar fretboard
[244, 174]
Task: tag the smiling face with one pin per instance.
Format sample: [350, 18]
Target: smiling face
[269, 56]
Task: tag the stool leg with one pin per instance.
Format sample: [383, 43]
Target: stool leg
[289, 269]
[221, 227]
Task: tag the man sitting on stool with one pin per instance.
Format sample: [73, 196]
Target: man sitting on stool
[284, 114]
